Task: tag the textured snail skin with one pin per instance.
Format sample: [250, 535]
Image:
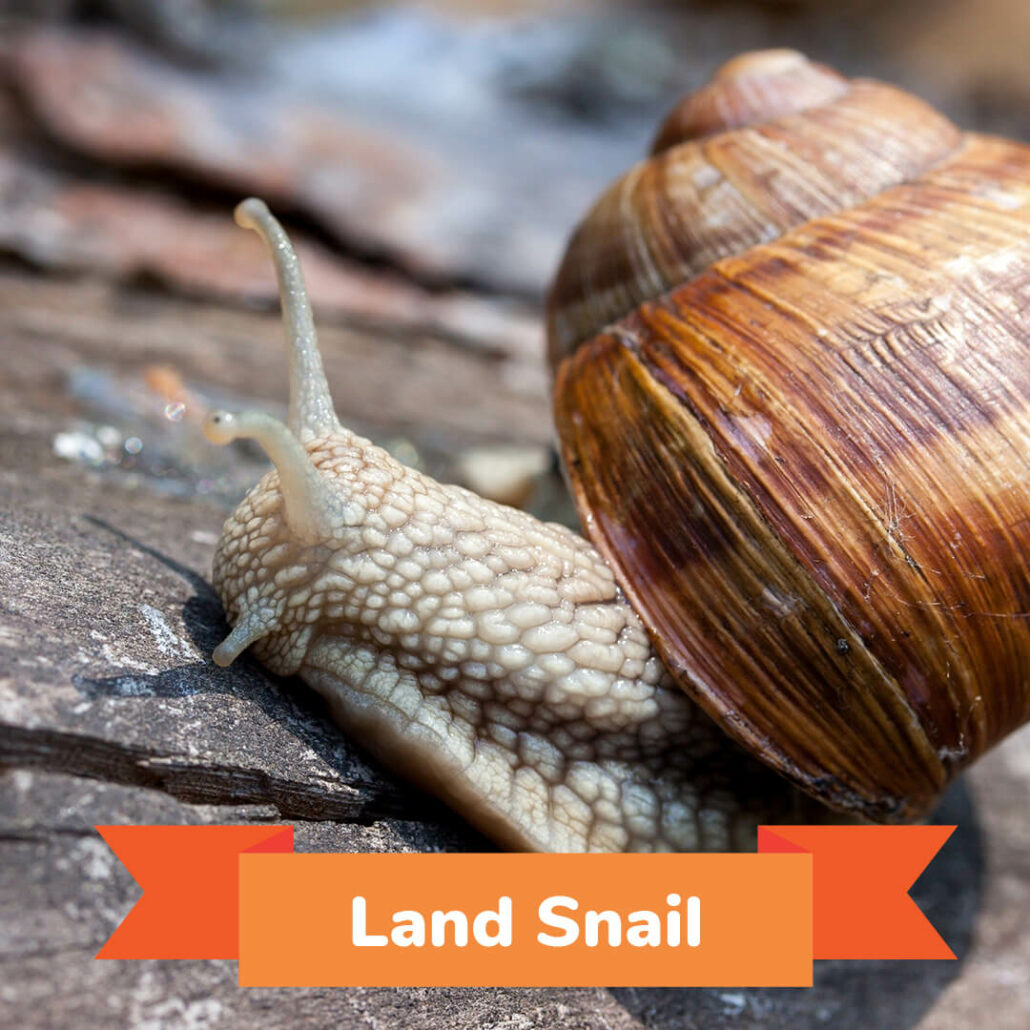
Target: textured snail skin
[488, 656]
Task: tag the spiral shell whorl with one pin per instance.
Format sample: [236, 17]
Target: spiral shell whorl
[813, 143]
[755, 87]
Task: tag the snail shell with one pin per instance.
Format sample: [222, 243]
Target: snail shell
[792, 390]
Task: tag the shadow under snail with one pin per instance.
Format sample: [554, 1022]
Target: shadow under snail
[791, 388]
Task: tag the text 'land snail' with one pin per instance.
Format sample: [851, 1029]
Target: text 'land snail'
[791, 387]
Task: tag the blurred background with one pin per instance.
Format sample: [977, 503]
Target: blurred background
[431, 159]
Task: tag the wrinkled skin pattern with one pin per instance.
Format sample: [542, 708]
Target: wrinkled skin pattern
[491, 658]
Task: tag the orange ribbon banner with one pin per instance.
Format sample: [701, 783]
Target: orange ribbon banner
[293, 920]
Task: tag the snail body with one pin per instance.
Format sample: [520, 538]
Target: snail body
[485, 655]
[796, 427]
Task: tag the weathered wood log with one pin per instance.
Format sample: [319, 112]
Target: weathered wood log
[110, 709]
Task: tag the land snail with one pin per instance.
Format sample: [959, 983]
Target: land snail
[791, 389]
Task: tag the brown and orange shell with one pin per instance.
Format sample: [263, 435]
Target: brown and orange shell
[792, 387]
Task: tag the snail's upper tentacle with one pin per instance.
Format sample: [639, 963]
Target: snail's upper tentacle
[311, 405]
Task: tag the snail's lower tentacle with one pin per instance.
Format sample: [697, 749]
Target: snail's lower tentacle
[250, 627]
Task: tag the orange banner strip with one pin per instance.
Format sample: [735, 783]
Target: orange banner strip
[525, 920]
[189, 876]
[861, 879]
[300, 926]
